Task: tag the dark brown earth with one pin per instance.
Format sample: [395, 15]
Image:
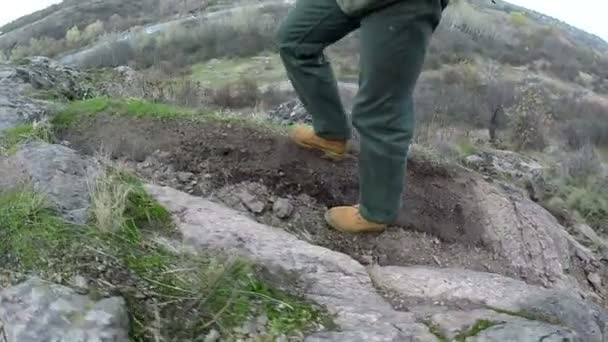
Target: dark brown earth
[223, 156]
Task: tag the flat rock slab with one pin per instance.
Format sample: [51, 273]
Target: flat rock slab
[36, 311]
[328, 278]
[488, 325]
[464, 287]
[62, 174]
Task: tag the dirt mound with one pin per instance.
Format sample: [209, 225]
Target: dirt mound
[473, 224]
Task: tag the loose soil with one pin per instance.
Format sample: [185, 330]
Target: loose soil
[221, 160]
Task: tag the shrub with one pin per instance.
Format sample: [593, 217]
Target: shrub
[518, 19]
[582, 164]
[243, 93]
[73, 36]
[529, 121]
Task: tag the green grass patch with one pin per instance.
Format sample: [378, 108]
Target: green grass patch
[465, 147]
[586, 200]
[183, 295]
[78, 111]
[23, 133]
[31, 233]
[266, 68]
[477, 328]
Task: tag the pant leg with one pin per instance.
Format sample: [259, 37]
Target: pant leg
[394, 42]
[308, 29]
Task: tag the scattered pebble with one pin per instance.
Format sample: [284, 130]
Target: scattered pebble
[212, 336]
[282, 208]
[80, 281]
[595, 280]
[251, 202]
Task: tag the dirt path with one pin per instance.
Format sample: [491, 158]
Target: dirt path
[224, 161]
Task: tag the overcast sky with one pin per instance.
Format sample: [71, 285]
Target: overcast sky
[572, 12]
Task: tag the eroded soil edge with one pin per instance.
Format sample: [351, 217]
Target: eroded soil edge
[222, 159]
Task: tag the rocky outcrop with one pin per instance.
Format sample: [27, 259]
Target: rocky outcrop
[459, 205]
[36, 311]
[37, 74]
[62, 174]
[329, 278]
[440, 303]
[459, 287]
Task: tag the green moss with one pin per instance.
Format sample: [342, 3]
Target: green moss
[198, 292]
[528, 315]
[477, 328]
[436, 330]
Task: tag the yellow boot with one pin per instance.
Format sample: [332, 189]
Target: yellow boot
[349, 220]
[305, 137]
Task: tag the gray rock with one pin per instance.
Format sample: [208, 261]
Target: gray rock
[37, 311]
[410, 334]
[63, 175]
[526, 331]
[459, 287]
[291, 112]
[461, 206]
[282, 208]
[252, 202]
[328, 278]
[504, 327]
[282, 338]
[185, 176]
[16, 107]
[212, 336]
[588, 234]
[474, 161]
[595, 280]
[80, 282]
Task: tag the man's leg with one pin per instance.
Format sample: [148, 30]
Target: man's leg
[308, 29]
[394, 42]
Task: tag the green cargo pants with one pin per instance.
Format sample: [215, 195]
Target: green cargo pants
[394, 41]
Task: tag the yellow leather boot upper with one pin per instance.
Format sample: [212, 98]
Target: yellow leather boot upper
[305, 137]
[349, 220]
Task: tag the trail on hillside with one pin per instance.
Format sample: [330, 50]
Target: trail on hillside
[450, 217]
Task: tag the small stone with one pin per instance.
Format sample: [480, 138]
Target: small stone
[595, 280]
[250, 327]
[604, 253]
[282, 208]
[262, 320]
[474, 160]
[251, 202]
[185, 176]
[80, 281]
[282, 338]
[366, 259]
[212, 336]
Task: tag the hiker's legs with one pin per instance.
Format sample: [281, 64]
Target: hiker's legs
[309, 28]
[394, 42]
